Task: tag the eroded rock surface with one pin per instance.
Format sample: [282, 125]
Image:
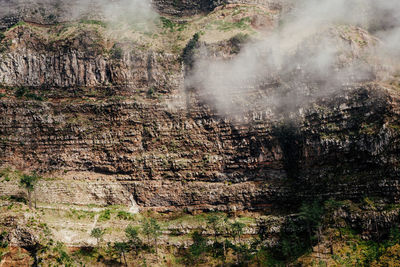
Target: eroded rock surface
[116, 124]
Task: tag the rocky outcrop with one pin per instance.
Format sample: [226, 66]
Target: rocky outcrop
[18, 235]
[81, 62]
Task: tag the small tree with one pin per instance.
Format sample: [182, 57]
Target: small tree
[98, 234]
[29, 183]
[134, 242]
[197, 250]
[214, 221]
[121, 248]
[237, 230]
[146, 229]
[152, 230]
[218, 224]
[312, 214]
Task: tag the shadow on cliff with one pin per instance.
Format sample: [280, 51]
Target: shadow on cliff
[291, 143]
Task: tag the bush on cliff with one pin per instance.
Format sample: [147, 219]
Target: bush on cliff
[188, 51]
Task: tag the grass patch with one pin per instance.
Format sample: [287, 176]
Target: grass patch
[225, 26]
[8, 174]
[171, 26]
[79, 214]
[123, 215]
[105, 215]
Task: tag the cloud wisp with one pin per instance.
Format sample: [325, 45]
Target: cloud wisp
[319, 48]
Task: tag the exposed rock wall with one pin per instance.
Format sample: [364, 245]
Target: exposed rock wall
[171, 159]
[168, 153]
[81, 62]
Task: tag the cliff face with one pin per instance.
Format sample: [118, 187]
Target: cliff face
[118, 127]
[169, 159]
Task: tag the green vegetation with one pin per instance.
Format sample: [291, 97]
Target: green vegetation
[312, 213]
[171, 26]
[105, 215]
[3, 244]
[29, 182]
[238, 40]
[117, 52]
[6, 174]
[152, 231]
[20, 91]
[123, 215]
[3, 240]
[134, 241]
[197, 250]
[151, 91]
[226, 26]
[62, 257]
[121, 248]
[4, 42]
[98, 234]
[217, 239]
[356, 251]
[23, 92]
[188, 51]
[395, 127]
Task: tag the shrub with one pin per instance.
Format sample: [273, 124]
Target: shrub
[33, 96]
[188, 51]
[123, 215]
[24, 92]
[166, 23]
[132, 234]
[117, 52]
[198, 249]
[151, 91]
[3, 241]
[63, 257]
[105, 215]
[98, 234]
[238, 40]
[20, 92]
